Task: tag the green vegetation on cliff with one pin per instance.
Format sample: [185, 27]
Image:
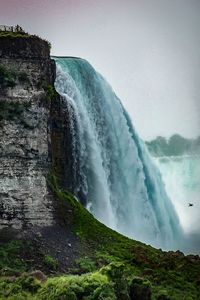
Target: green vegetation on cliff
[17, 33]
[10, 77]
[7, 78]
[111, 266]
[168, 273]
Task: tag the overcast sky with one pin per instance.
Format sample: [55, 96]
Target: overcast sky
[149, 51]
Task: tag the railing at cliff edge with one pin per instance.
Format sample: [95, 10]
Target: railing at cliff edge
[11, 28]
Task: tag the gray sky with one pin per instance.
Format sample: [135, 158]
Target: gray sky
[148, 50]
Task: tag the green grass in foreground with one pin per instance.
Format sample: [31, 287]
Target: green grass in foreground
[114, 267]
[170, 273]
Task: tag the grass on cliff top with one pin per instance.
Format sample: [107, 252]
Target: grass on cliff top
[25, 35]
[12, 34]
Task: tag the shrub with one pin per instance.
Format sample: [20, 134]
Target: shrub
[50, 92]
[7, 78]
[10, 256]
[86, 264]
[49, 89]
[50, 261]
[89, 286]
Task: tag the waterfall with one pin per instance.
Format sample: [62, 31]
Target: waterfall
[115, 177]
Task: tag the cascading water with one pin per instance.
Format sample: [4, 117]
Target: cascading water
[115, 177]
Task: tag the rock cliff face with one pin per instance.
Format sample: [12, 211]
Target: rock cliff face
[25, 105]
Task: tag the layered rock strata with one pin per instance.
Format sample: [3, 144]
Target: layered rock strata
[25, 158]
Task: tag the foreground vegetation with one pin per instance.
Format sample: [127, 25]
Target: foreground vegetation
[112, 267]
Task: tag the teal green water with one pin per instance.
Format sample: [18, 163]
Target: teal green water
[115, 176]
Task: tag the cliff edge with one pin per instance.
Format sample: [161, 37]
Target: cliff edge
[26, 77]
